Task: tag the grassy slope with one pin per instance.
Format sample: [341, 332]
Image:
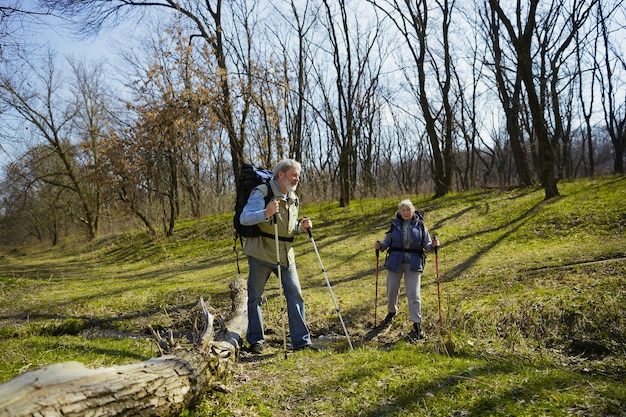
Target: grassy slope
[532, 297]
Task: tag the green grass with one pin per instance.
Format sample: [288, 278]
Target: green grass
[532, 297]
[406, 381]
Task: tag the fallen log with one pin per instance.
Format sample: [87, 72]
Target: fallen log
[161, 386]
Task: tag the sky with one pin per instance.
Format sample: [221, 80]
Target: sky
[103, 46]
[50, 32]
[42, 33]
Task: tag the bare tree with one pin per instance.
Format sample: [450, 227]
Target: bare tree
[614, 106]
[31, 208]
[264, 91]
[509, 92]
[412, 21]
[586, 98]
[164, 151]
[295, 66]
[321, 96]
[15, 16]
[348, 107]
[556, 78]
[522, 44]
[71, 148]
[207, 22]
[469, 119]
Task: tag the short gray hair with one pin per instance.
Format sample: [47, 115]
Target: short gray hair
[407, 203]
[285, 165]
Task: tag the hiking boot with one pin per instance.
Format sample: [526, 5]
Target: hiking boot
[419, 333]
[256, 348]
[308, 347]
[389, 318]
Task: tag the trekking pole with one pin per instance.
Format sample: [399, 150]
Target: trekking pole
[438, 289]
[280, 283]
[330, 288]
[376, 297]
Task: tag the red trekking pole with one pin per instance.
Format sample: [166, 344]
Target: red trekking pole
[438, 289]
[376, 298]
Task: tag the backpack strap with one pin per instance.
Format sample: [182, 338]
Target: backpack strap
[269, 194]
[418, 251]
[280, 238]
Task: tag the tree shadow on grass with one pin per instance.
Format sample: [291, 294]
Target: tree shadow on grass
[512, 227]
[495, 388]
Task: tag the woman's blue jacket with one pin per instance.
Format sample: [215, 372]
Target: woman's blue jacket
[394, 242]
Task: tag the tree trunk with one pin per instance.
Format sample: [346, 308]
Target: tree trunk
[510, 103]
[522, 45]
[157, 387]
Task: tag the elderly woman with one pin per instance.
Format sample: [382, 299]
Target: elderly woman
[406, 240]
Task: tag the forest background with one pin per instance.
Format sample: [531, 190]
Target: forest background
[375, 98]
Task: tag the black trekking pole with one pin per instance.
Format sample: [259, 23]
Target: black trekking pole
[280, 283]
[330, 288]
[438, 289]
[376, 297]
